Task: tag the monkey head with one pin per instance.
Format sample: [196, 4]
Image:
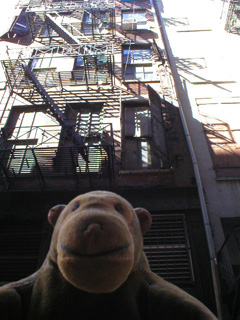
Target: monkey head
[97, 240]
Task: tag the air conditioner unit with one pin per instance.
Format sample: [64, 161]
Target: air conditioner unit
[129, 24]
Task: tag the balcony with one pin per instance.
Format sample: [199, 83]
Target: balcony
[49, 159]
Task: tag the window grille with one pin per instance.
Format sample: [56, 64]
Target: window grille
[167, 247]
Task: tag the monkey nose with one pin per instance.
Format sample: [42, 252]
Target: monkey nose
[92, 227]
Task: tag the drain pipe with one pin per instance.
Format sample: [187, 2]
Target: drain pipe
[180, 95]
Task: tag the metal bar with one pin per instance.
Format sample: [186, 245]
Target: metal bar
[11, 157]
[38, 169]
[73, 50]
[73, 164]
[92, 24]
[22, 162]
[85, 71]
[62, 31]
[5, 175]
[158, 51]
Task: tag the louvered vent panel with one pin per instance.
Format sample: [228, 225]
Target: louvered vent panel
[19, 253]
[167, 248]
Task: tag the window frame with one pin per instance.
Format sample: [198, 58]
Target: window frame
[133, 22]
[140, 143]
[135, 69]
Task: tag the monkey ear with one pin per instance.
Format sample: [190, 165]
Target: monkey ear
[144, 218]
[54, 213]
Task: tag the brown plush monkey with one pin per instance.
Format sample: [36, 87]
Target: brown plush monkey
[96, 269]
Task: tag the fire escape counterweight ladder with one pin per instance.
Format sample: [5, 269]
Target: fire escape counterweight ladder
[63, 32]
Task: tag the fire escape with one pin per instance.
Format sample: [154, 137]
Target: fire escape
[68, 77]
[233, 17]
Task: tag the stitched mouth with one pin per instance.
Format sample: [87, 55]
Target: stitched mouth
[94, 255]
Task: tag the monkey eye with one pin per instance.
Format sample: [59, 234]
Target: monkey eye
[75, 206]
[118, 208]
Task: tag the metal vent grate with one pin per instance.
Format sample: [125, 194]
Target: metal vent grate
[167, 247]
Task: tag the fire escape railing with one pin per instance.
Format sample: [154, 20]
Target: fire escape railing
[92, 65]
[96, 66]
[39, 15]
[59, 160]
[233, 17]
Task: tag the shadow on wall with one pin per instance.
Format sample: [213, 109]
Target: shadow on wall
[176, 22]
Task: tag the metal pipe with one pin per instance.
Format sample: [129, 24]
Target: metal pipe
[178, 84]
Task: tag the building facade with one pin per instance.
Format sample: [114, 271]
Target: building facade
[89, 103]
[203, 55]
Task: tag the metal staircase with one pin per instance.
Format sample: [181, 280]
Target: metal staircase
[84, 147]
[61, 30]
[54, 111]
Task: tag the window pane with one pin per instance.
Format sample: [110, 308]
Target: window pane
[87, 18]
[138, 17]
[79, 61]
[129, 121]
[141, 16]
[139, 69]
[137, 121]
[136, 56]
[148, 76]
[142, 122]
[128, 15]
[130, 73]
[146, 160]
[146, 55]
[131, 154]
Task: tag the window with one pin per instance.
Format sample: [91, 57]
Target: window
[78, 72]
[25, 132]
[87, 121]
[54, 61]
[96, 22]
[137, 121]
[87, 23]
[134, 21]
[144, 136]
[20, 27]
[136, 55]
[137, 64]
[233, 17]
[137, 139]
[139, 73]
[31, 129]
[92, 69]
[167, 247]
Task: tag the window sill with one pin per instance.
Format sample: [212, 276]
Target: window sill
[144, 171]
[222, 179]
